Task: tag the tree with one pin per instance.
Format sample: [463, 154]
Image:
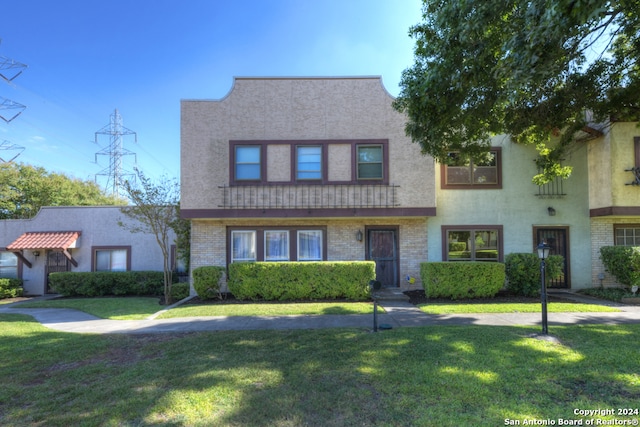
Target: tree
[24, 189]
[538, 70]
[155, 210]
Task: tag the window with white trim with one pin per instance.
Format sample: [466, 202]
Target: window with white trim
[276, 245]
[243, 246]
[309, 245]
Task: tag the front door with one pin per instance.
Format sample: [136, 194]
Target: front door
[382, 247]
[558, 239]
[56, 262]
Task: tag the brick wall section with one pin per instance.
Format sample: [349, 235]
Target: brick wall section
[602, 235]
[208, 242]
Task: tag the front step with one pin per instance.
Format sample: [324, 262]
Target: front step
[390, 294]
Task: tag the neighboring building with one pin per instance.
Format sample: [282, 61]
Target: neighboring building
[73, 239]
[305, 169]
[488, 210]
[614, 193]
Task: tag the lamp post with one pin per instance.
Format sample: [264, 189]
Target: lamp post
[543, 254]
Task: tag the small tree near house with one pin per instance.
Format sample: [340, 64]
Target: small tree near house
[155, 211]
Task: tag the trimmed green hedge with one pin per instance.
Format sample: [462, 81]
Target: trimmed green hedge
[10, 288]
[461, 279]
[206, 281]
[523, 272]
[623, 262]
[301, 280]
[101, 283]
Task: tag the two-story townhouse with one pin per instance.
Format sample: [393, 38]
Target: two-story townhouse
[614, 192]
[305, 169]
[491, 208]
[74, 238]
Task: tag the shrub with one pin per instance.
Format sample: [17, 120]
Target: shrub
[461, 279]
[179, 291]
[301, 280]
[10, 288]
[623, 262]
[206, 281]
[100, 283]
[457, 246]
[523, 272]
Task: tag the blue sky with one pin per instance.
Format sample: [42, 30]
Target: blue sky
[87, 58]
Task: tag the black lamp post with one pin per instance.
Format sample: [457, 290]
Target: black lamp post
[543, 253]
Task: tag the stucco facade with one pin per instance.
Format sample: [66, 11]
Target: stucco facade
[343, 120]
[98, 231]
[519, 211]
[614, 192]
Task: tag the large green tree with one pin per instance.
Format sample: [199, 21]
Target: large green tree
[538, 70]
[24, 189]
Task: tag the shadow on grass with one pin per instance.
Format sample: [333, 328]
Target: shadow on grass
[447, 375]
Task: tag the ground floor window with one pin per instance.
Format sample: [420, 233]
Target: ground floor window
[8, 265]
[277, 244]
[627, 235]
[463, 243]
[112, 259]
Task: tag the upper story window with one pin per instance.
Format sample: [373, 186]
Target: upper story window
[308, 162]
[482, 173]
[248, 165]
[370, 162]
[8, 265]
[627, 235]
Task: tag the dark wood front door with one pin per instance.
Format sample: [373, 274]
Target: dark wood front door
[558, 239]
[56, 262]
[382, 247]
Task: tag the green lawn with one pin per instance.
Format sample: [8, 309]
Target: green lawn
[137, 308]
[430, 376]
[552, 307]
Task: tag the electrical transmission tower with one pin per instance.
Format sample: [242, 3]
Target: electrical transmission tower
[9, 110]
[115, 172]
[9, 70]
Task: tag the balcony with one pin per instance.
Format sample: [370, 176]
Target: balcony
[309, 196]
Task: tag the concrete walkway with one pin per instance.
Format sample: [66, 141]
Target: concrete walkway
[398, 314]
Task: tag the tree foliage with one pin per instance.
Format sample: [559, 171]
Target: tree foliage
[24, 189]
[156, 211]
[538, 70]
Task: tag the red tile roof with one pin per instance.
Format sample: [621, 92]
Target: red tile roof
[44, 240]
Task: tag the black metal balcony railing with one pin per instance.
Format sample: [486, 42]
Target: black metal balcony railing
[309, 196]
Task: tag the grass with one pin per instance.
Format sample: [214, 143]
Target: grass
[138, 308]
[431, 376]
[552, 307]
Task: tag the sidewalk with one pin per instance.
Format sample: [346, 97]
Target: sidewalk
[398, 314]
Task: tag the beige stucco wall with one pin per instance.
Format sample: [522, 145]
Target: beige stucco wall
[99, 227]
[296, 109]
[518, 210]
[609, 156]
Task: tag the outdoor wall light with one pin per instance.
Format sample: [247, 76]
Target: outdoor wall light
[552, 212]
[36, 253]
[359, 235]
